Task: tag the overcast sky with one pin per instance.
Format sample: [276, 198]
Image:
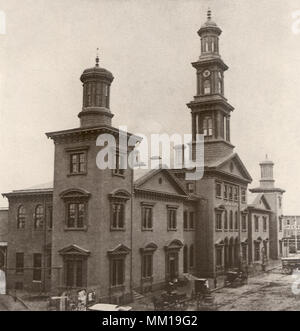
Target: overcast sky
[148, 45]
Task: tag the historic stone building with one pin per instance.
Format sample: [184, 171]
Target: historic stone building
[29, 239]
[274, 198]
[259, 216]
[105, 231]
[225, 179]
[291, 234]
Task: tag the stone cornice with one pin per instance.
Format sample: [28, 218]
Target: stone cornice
[86, 134]
[209, 103]
[211, 170]
[28, 193]
[205, 61]
[160, 195]
[266, 190]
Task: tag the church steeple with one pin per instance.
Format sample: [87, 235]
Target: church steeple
[210, 109]
[96, 96]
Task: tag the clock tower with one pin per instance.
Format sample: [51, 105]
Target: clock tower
[210, 109]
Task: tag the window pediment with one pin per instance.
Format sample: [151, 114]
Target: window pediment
[74, 250]
[174, 245]
[119, 250]
[152, 247]
[120, 195]
[74, 193]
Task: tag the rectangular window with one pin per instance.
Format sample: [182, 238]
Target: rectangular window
[225, 127]
[147, 223]
[74, 272]
[230, 192]
[244, 197]
[37, 267]
[192, 220]
[172, 221]
[19, 263]
[147, 265]
[218, 190]
[120, 164]
[118, 216]
[185, 220]
[76, 215]
[225, 191]
[256, 223]
[236, 194]
[78, 163]
[218, 221]
[244, 222]
[265, 224]
[98, 94]
[117, 272]
[50, 217]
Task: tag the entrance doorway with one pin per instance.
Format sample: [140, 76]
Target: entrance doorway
[172, 265]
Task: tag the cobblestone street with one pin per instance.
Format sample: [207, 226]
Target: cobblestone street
[271, 291]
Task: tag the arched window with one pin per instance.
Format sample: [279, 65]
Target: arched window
[207, 87]
[220, 89]
[225, 220]
[225, 126]
[231, 220]
[185, 259]
[191, 256]
[39, 217]
[89, 94]
[21, 219]
[98, 94]
[205, 44]
[236, 220]
[207, 126]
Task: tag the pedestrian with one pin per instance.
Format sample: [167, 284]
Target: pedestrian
[215, 281]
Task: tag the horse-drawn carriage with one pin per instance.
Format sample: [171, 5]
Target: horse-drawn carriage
[170, 301]
[204, 297]
[236, 278]
[289, 264]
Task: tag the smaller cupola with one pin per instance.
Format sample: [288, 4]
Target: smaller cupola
[96, 96]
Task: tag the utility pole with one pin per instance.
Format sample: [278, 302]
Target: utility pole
[296, 233]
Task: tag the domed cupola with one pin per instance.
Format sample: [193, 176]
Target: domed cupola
[96, 94]
[209, 34]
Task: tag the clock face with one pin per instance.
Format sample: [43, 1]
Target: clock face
[206, 73]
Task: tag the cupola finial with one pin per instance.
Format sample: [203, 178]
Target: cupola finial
[97, 58]
[209, 14]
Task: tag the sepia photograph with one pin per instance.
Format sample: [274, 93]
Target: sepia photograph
[149, 158]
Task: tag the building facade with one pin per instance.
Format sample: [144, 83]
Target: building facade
[259, 216]
[29, 239]
[3, 237]
[225, 179]
[274, 197]
[104, 231]
[291, 234]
